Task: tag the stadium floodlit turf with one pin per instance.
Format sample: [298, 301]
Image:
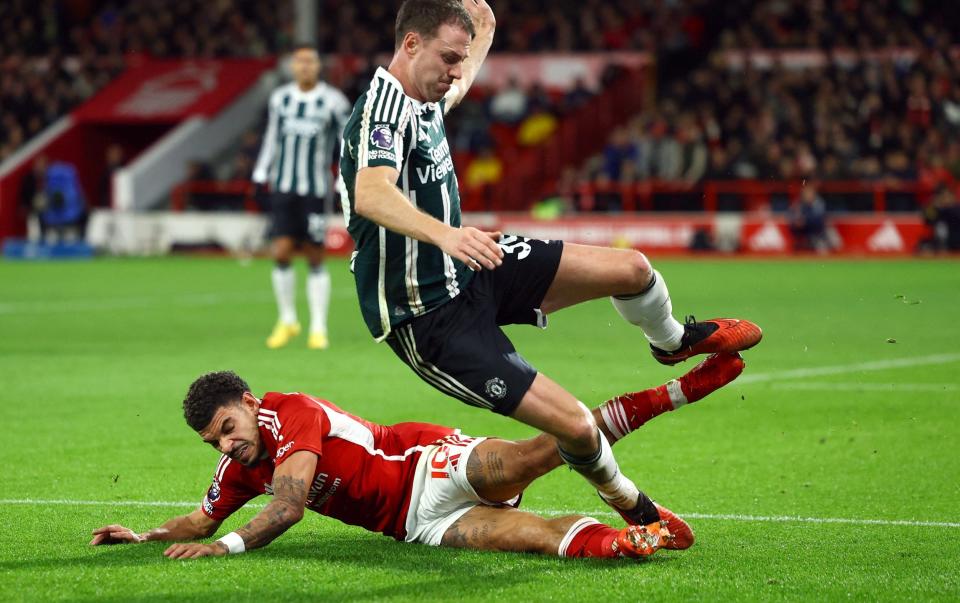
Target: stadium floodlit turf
[831, 470]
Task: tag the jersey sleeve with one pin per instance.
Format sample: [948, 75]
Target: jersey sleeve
[303, 424]
[228, 491]
[269, 144]
[379, 137]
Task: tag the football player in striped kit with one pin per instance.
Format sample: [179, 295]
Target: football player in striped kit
[438, 293]
[305, 122]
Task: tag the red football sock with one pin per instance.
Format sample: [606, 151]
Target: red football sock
[628, 412]
[589, 538]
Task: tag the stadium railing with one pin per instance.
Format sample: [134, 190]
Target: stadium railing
[649, 195]
[751, 195]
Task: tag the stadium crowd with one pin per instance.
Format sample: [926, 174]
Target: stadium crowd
[56, 53]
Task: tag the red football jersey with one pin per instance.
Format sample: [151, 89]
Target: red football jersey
[364, 470]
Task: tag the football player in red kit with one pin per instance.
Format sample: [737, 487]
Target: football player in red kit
[415, 482]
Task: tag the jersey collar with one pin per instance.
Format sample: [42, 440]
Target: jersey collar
[418, 106]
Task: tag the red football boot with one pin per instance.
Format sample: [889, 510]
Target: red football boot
[707, 377]
[680, 530]
[709, 337]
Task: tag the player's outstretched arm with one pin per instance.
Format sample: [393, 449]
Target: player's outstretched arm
[484, 23]
[291, 484]
[378, 199]
[192, 526]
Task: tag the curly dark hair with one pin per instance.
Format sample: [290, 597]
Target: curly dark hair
[208, 393]
[426, 16]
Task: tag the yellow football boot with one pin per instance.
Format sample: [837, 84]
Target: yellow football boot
[318, 341]
[282, 334]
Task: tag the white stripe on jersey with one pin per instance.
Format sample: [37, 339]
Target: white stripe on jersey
[453, 286]
[222, 467]
[434, 376]
[303, 161]
[368, 108]
[382, 285]
[349, 429]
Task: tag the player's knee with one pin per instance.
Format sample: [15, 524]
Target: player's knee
[637, 272]
[580, 434]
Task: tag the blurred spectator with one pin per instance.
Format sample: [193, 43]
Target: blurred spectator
[484, 170]
[619, 151]
[943, 216]
[33, 198]
[509, 104]
[114, 162]
[808, 221]
[580, 95]
[65, 213]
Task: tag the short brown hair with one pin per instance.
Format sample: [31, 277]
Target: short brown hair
[426, 16]
[208, 393]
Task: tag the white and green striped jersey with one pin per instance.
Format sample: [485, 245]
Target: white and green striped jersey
[398, 277]
[302, 129]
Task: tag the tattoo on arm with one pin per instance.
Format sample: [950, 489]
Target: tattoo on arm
[286, 509]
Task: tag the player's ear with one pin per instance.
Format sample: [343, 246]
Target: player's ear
[250, 402]
[411, 42]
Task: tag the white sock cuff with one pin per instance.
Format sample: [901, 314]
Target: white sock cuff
[577, 527]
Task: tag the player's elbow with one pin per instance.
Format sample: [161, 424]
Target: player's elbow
[363, 197]
[292, 513]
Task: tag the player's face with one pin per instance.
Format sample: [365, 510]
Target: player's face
[233, 431]
[305, 65]
[438, 61]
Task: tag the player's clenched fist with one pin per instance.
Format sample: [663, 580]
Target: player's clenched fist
[115, 534]
[480, 13]
[475, 248]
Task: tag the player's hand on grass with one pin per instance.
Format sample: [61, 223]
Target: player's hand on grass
[481, 14]
[475, 248]
[115, 534]
[194, 550]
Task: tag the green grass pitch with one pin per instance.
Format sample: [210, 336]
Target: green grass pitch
[849, 409]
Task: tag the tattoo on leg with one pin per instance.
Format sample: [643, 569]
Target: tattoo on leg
[475, 473]
[495, 467]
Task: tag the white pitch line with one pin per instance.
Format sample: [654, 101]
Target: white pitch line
[708, 516]
[868, 387]
[844, 369]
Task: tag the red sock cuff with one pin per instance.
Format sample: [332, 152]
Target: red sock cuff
[588, 538]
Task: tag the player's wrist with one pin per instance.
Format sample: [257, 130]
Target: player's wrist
[231, 543]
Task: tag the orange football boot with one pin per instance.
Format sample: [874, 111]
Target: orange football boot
[709, 337]
[642, 541]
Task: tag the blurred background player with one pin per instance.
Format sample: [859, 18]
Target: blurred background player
[305, 121]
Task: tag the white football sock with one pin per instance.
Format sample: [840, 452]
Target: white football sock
[285, 292]
[653, 313]
[318, 295]
[604, 474]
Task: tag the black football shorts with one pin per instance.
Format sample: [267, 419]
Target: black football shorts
[298, 216]
[460, 349]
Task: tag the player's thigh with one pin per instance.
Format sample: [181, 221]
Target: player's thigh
[587, 272]
[500, 470]
[283, 249]
[460, 351]
[488, 528]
